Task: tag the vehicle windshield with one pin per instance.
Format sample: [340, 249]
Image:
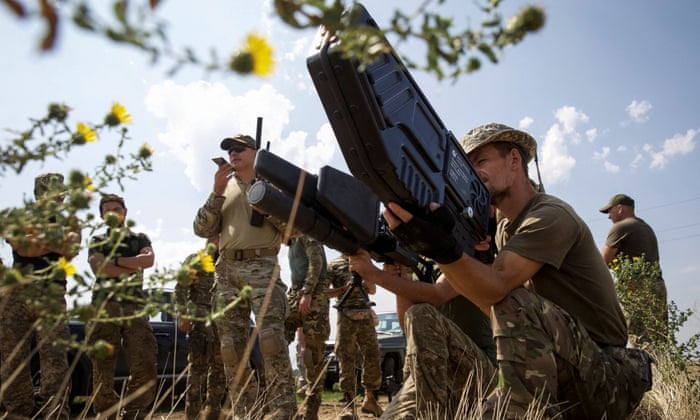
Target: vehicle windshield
[388, 323]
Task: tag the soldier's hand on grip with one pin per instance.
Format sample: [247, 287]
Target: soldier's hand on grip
[430, 236]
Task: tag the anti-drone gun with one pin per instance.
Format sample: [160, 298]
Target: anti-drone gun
[332, 207]
[393, 140]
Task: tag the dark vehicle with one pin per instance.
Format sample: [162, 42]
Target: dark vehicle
[171, 360]
[172, 357]
[392, 352]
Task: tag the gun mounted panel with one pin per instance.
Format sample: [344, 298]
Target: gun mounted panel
[393, 140]
[335, 208]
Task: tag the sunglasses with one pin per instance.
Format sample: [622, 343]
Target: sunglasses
[238, 149]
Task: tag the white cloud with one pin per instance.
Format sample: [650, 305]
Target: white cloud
[679, 144]
[604, 152]
[638, 160]
[639, 111]
[198, 115]
[557, 164]
[525, 123]
[610, 167]
[568, 118]
[592, 134]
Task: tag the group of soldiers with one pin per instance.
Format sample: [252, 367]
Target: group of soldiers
[313, 282]
[537, 322]
[36, 306]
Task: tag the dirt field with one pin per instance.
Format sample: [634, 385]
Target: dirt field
[329, 411]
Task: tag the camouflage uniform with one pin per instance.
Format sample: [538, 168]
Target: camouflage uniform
[20, 309]
[248, 257]
[441, 361]
[307, 261]
[355, 329]
[206, 382]
[41, 299]
[123, 299]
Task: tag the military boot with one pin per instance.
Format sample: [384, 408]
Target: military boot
[370, 405]
[349, 412]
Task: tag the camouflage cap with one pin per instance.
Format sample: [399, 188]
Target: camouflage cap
[616, 199]
[46, 182]
[492, 132]
[238, 139]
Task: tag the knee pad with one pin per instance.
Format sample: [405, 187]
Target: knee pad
[271, 342]
[229, 356]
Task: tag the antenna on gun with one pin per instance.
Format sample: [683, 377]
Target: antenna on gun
[258, 134]
[256, 218]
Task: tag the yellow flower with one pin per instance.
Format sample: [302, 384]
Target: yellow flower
[67, 267]
[262, 54]
[207, 262]
[87, 182]
[117, 115]
[255, 57]
[88, 133]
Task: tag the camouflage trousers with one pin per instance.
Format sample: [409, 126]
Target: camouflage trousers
[543, 355]
[206, 382]
[442, 366]
[136, 337]
[357, 337]
[546, 355]
[25, 310]
[234, 326]
[316, 328]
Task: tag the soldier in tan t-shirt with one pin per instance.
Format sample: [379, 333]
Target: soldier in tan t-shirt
[248, 247]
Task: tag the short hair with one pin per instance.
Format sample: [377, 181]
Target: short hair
[111, 197]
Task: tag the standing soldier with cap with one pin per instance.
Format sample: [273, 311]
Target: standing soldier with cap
[247, 257]
[632, 237]
[308, 309]
[38, 300]
[118, 259]
[206, 382]
[355, 329]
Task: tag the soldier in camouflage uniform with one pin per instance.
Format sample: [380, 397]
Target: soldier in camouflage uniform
[355, 329]
[308, 309]
[206, 382]
[118, 263]
[446, 335]
[40, 298]
[559, 330]
[248, 247]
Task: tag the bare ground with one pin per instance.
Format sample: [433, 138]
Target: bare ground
[330, 410]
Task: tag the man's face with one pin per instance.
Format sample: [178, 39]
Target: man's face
[615, 213]
[241, 157]
[493, 170]
[115, 208]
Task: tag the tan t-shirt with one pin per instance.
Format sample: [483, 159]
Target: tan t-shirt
[236, 230]
[574, 275]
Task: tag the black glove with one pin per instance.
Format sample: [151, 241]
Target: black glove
[431, 236]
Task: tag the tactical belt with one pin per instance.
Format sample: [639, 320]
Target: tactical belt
[244, 254]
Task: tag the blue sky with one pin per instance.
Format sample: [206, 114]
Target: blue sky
[608, 89]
